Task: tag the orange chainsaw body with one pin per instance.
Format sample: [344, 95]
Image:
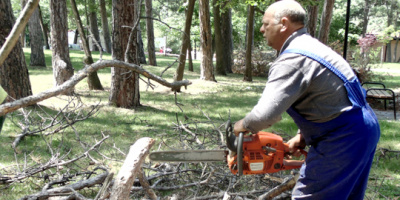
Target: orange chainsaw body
[263, 152]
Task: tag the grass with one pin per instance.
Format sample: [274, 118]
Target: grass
[230, 96]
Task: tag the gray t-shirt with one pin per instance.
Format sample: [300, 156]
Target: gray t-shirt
[295, 80]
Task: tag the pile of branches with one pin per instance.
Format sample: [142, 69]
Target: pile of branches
[260, 61]
[207, 180]
[70, 175]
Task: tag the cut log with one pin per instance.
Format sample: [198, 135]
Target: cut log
[127, 174]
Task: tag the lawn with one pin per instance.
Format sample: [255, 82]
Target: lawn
[161, 110]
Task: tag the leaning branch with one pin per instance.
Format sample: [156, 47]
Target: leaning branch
[33, 99]
[19, 26]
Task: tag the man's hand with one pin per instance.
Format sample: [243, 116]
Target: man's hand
[296, 143]
[238, 127]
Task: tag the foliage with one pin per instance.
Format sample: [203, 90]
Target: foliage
[366, 57]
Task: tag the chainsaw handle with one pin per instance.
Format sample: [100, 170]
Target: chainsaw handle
[304, 153]
[293, 164]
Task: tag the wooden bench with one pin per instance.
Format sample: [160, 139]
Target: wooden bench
[379, 91]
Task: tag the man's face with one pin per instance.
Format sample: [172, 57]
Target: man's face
[270, 30]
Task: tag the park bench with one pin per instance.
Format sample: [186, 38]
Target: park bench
[377, 90]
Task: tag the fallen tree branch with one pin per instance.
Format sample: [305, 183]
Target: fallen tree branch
[54, 161]
[33, 99]
[132, 165]
[66, 190]
[288, 184]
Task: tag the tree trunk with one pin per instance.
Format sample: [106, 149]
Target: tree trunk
[219, 51]
[326, 21]
[185, 43]
[104, 23]
[124, 83]
[76, 35]
[190, 56]
[312, 20]
[142, 56]
[36, 36]
[62, 67]
[390, 10]
[14, 77]
[94, 29]
[206, 67]
[150, 33]
[365, 17]
[92, 79]
[248, 74]
[227, 39]
[45, 29]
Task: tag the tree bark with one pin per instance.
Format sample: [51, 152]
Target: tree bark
[150, 33]
[326, 17]
[185, 42]
[312, 20]
[206, 67]
[124, 83]
[92, 80]
[36, 36]
[14, 77]
[127, 174]
[94, 29]
[248, 74]
[62, 67]
[219, 51]
[227, 39]
[104, 23]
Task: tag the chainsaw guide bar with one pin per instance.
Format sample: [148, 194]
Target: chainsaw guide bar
[189, 156]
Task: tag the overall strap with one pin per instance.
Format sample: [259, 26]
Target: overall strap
[320, 60]
[353, 87]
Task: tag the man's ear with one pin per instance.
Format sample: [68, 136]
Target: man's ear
[285, 24]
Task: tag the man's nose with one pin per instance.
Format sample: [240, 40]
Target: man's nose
[261, 29]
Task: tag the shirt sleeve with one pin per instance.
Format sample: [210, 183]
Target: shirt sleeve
[286, 83]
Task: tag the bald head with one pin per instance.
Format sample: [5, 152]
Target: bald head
[280, 20]
[290, 9]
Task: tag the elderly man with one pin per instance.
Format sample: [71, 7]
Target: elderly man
[320, 91]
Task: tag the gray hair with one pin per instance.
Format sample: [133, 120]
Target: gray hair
[290, 9]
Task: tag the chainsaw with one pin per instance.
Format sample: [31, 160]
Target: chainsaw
[258, 153]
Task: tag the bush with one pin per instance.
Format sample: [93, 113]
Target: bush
[366, 57]
[260, 62]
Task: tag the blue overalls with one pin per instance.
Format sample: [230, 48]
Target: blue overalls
[341, 150]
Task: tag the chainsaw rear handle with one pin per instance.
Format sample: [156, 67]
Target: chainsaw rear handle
[293, 164]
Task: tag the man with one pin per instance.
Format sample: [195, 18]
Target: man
[320, 91]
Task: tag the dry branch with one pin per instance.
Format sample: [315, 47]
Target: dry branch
[127, 174]
[55, 161]
[288, 184]
[33, 99]
[66, 190]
